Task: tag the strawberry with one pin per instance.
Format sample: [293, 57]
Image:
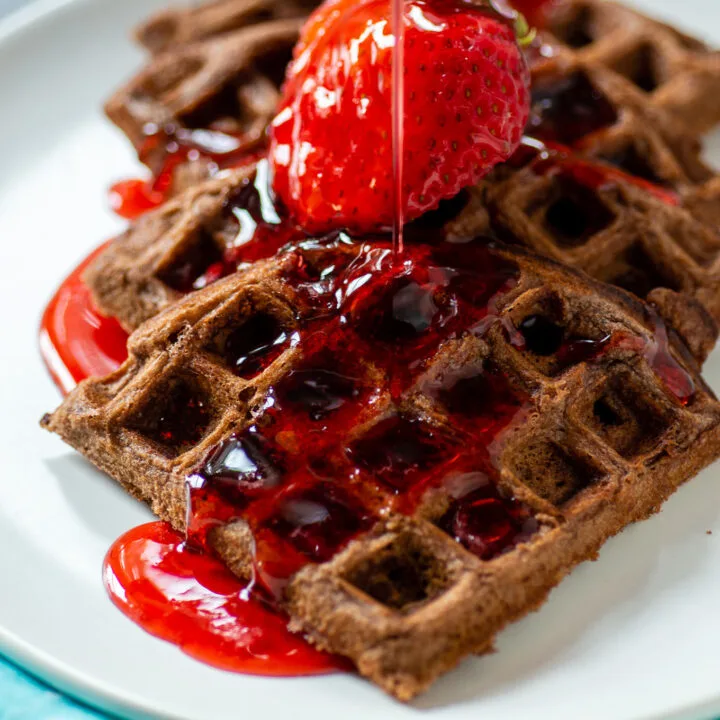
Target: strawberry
[466, 103]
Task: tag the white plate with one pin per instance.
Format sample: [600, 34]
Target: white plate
[635, 635]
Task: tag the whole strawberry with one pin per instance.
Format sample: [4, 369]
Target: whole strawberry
[466, 103]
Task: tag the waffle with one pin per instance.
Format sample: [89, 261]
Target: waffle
[173, 27]
[406, 457]
[584, 216]
[161, 256]
[214, 96]
[664, 68]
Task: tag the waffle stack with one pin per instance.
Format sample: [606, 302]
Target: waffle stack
[408, 463]
[406, 455]
[651, 227]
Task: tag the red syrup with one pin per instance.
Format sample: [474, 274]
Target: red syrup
[76, 341]
[554, 159]
[192, 600]
[169, 148]
[300, 476]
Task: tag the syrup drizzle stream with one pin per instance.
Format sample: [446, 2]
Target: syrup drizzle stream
[398, 119]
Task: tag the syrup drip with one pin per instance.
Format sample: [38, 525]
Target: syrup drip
[169, 148]
[76, 341]
[553, 159]
[398, 121]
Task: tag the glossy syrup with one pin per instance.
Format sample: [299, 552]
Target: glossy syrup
[398, 121]
[165, 150]
[299, 475]
[553, 159]
[192, 600]
[76, 341]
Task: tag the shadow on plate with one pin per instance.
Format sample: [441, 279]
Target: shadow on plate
[100, 503]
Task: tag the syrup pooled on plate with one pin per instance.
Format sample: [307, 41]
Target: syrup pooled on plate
[192, 600]
[76, 341]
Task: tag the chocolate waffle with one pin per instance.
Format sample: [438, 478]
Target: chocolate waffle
[172, 27]
[211, 97]
[664, 68]
[588, 217]
[165, 253]
[617, 231]
[406, 455]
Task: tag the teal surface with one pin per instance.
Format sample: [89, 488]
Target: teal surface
[24, 698]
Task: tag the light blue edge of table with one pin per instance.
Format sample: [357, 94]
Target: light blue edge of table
[22, 697]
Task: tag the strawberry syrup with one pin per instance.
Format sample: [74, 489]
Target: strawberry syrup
[187, 598]
[192, 600]
[76, 341]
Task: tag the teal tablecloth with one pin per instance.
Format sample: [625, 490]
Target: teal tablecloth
[23, 698]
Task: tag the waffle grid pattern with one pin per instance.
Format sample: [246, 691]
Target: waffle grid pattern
[619, 234]
[226, 83]
[664, 68]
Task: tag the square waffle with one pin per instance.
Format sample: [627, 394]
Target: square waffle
[405, 455]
